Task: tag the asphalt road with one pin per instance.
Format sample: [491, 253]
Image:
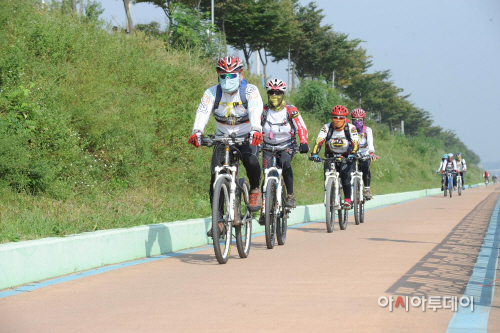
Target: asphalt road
[316, 282]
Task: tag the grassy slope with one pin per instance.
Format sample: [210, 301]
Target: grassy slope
[112, 117]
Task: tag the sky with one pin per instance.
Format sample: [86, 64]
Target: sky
[444, 53]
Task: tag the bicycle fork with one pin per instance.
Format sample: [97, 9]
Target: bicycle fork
[335, 176]
[278, 189]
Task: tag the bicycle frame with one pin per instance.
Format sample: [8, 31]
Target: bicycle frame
[359, 175]
[231, 173]
[275, 175]
[449, 175]
[336, 180]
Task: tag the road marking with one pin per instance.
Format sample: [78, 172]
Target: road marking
[481, 284]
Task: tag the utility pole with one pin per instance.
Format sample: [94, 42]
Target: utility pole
[288, 65]
[402, 127]
[333, 80]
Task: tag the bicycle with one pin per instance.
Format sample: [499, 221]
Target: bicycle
[230, 201]
[333, 195]
[276, 214]
[449, 175]
[357, 195]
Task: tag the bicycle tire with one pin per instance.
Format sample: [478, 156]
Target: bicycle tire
[445, 191]
[243, 232]
[362, 211]
[282, 221]
[329, 205]
[459, 187]
[220, 213]
[355, 200]
[450, 188]
[343, 219]
[270, 212]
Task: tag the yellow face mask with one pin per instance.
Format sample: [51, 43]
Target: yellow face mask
[338, 124]
[459, 158]
[276, 102]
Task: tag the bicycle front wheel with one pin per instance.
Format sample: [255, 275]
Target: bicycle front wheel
[282, 221]
[330, 203]
[221, 226]
[362, 211]
[270, 212]
[243, 232]
[459, 187]
[355, 200]
[450, 185]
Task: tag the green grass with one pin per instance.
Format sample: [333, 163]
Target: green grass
[94, 128]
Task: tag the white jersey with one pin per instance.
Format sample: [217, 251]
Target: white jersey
[441, 165]
[338, 143]
[366, 142]
[280, 127]
[230, 117]
[461, 166]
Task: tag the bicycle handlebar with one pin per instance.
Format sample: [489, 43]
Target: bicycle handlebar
[229, 140]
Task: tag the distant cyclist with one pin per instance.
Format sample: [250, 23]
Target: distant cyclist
[237, 108]
[281, 122]
[341, 138]
[486, 176]
[462, 168]
[450, 166]
[366, 147]
[495, 179]
[441, 167]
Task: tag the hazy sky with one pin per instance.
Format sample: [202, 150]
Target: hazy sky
[441, 52]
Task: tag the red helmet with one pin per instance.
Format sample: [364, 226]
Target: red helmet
[358, 113]
[276, 84]
[340, 110]
[229, 64]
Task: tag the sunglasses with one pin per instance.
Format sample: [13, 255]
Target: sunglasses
[275, 92]
[228, 76]
[357, 119]
[338, 118]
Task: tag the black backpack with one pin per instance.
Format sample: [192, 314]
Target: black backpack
[347, 133]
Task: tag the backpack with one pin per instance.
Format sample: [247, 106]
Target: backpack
[243, 95]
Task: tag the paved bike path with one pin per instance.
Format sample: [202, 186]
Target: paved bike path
[317, 282]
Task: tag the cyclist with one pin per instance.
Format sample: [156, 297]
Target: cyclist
[441, 166]
[237, 108]
[280, 123]
[486, 175]
[450, 165]
[495, 179]
[462, 168]
[366, 147]
[341, 138]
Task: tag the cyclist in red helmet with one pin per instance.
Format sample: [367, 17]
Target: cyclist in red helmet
[237, 108]
[365, 147]
[281, 122]
[341, 138]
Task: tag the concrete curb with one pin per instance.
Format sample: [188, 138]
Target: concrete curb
[29, 261]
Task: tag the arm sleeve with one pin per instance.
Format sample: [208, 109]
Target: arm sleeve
[299, 125]
[255, 107]
[320, 140]
[204, 110]
[440, 166]
[464, 165]
[369, 139]
[454, 165]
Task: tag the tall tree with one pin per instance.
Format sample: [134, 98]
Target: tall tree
[130, 24]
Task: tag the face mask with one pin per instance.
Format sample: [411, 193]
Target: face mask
[276, 102]
[359, 125]
[338, 124]
[230, 85]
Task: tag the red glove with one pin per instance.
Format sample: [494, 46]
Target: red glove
[256, 138]
[442, 171]
[195, 139]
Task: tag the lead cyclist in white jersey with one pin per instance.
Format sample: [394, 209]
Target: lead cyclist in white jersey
[237, 108]
[450, 165]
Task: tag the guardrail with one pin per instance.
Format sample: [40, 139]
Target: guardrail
[29, 261]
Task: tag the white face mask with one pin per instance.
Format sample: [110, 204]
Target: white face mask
[230, 85]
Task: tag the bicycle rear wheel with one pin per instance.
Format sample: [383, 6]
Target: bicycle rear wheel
[343, 219]
[450, 187]
[445, 191]
[270, 213]
[355, 200]
[243, 232]
[282, 221]
[329, 203]
[459, 186]
[221, 226]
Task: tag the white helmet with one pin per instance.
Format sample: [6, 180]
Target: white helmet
[276, 84]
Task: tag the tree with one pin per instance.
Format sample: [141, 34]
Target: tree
[130, 25]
